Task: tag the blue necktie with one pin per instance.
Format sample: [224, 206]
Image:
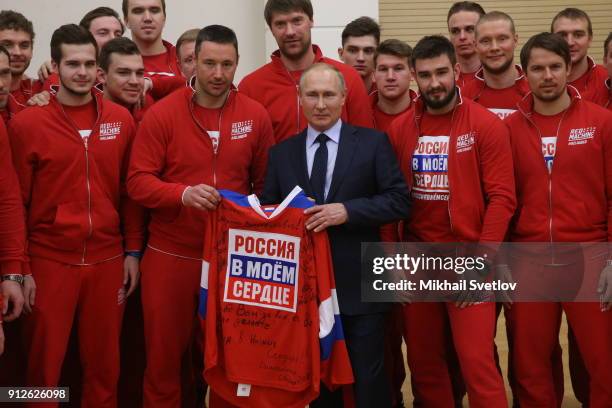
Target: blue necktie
[318, 173]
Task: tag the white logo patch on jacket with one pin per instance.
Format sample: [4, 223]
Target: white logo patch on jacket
[581, 135]
[465, 142]
[110, 130]
[240, 130]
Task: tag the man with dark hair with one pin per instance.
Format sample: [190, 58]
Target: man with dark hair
[360, 38]
[576, 28]
[603, 93]
[499, 85]
[121, 75]
[207, 122]
[275, 85]
[71, 158]
[476, 171]
[146, 20]
[17, 36]
[103, 23]
[461, 20]
[185, 52]
[393, 95]
[562, 149]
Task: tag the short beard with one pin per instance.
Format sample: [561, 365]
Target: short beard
[73, 92]
[551, 98]
[500, 70]
[442, 102]
[299, 55]
[18, 73]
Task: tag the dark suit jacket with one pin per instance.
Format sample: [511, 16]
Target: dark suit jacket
[366, 179]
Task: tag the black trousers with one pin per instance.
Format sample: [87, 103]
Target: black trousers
[364, 336]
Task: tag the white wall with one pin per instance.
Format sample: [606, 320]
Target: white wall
[243, 16]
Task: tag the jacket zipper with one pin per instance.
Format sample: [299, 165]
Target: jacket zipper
[85, 141]
[550, 209]
[215, 149]
[297, 99]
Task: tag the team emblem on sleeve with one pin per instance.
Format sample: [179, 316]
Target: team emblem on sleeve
[262, 269]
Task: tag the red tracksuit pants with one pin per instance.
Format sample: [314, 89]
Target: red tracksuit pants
[427, 327]
[87, 295]
[536, 332]
[170, 296]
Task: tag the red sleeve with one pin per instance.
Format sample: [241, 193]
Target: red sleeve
[606, 133]
[497, 173]
[132, 214]
[265, 140]
[165, 85]
[51, 81]
[245, 88]
[358, 109]
[147, 162]
[12, 224]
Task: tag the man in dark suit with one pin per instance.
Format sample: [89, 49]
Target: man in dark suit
[352, 174]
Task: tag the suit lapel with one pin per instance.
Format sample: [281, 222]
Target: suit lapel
[346, 151]
[299, 157]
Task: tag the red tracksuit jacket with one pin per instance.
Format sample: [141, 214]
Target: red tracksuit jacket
[73, 189]
[602, 95]
[383, 120]
[169, 66]
[12, 228]
[276, 89]
[574, 202]
[505, 99]
[27, 88]
[480, 177]
[172, 151]
[594, 76]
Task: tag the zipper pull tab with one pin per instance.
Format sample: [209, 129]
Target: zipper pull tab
[85, 141]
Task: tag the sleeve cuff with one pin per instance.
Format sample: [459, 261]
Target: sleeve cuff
[183, 194]
[11, 267]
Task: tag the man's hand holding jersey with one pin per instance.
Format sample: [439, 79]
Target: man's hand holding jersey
[326, 215]
[203, 197]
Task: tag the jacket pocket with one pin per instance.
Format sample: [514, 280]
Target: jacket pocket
[105, 218]
[71, 225]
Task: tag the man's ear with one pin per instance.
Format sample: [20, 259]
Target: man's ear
[340, 52]
[101, 76]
